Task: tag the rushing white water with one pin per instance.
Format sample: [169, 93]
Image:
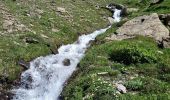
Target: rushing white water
[45, 78]
[116, 15]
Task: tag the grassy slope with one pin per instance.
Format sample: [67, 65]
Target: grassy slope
[81, 17]
[144, 79]
[84, 17]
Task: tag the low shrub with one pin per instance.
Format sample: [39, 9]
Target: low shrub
[133, 55]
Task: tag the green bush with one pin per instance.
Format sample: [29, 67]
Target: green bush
[133, 55]
[135, 84]
[147, 85]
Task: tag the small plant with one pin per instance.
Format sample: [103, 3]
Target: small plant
[135, 84]
[133, 55]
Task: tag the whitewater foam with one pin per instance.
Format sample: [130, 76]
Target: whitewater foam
[45, 78]
[116, 15]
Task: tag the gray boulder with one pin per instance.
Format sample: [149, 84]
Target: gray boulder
[147, 25]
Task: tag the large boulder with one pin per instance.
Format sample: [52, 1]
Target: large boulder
[147, 25]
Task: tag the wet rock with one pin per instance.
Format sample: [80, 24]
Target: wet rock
[4, 95]
[24, 64]
[121, 88]
[114, 6]
[147, 25]
[39, 11]
[66, 62]
[31, 40]
[54, 50]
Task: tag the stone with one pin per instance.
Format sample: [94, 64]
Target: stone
[66, 62]
[111, 20]
[119, 37]
[165, 18]
[146, 25]
[129, 10]
[24, 64]
[39, 11]
[121, 88]
[31, 40]
[61, 9]
[55, 30]
[7, 24]
[155, 2]
[166, 42]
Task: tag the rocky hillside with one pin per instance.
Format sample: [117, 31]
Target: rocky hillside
[130, 61]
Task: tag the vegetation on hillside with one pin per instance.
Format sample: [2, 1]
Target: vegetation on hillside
[139, 64]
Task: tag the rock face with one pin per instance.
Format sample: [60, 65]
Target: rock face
[147, 25]
[165, 18]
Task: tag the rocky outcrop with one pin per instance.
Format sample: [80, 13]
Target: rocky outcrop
[165, 18]
[147, 25]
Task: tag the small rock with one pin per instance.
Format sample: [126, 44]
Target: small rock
[129, 10]
[102, 73]
[66, 62]
[54, 51]
[39, 11]
[44, 36]
[31, 40]
[166, 42]
[146, 25]
[121, 88]
[61, 9]
[24, 64]
[119, 37]
[111, 20]
[7, 24]
[55, 30]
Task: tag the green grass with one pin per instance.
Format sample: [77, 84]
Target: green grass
[146, 75]
[81, 17]
[97, 61]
